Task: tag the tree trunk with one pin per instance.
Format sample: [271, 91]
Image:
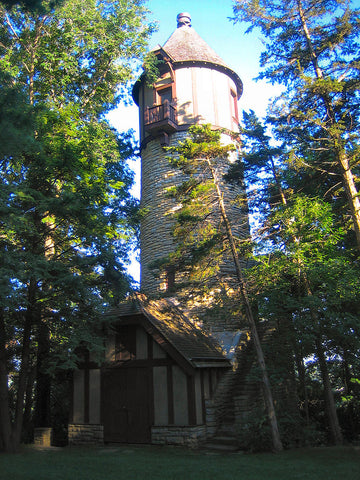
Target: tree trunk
[277, 444]
[27, 428]
[43, 381]
[347, 372]
[24, 366]
[351, 192]
[352, 195]
[302, 381]
[329, 398]
[277, 181]
[5, 421]
[335, 430]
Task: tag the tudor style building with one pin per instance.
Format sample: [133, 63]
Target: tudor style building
[168, 378]
[155, 384]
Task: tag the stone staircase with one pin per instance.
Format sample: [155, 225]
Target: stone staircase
[221, 444]
[237, 396]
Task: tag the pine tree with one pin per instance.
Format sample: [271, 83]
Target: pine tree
[300, 265]
[204, 229]
[312, 49]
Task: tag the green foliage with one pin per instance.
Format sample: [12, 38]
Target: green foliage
[309, 284]
[255, 434]
[30, 4]
[198, 230]
[316, 119]
[65, 232]
[151, 68]
[305, 192]
[260, 165]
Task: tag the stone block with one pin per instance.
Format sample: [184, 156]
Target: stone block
[43, 436]
[85, 434]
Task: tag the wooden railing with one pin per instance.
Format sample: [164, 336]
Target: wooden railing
[160, 113]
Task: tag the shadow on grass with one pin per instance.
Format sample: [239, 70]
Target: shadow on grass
[174, 463]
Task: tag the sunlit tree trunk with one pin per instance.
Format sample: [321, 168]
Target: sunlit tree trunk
[276, 440]
[348, 179]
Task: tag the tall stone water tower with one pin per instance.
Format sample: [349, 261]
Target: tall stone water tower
[165, 378]
[195, 86]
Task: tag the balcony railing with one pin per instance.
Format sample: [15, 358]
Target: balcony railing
[161, 117]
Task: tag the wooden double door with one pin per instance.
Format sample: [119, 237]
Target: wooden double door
[126, 405]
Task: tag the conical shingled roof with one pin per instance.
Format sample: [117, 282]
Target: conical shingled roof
[185, 45]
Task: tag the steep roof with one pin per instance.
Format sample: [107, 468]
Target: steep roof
[185, 45]
[173, 330]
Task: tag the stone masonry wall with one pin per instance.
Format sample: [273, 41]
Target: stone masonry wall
[156, 225]
[176, 435]
[85, 434]
[43, 436]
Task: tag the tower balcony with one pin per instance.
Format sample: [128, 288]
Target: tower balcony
[161, 118]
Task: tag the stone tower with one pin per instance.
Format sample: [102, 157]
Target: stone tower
[165, 378]
[195, 86]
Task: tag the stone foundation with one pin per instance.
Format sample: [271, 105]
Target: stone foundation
[211, 422]
[85, 434]
[43, 436]
[189, 436]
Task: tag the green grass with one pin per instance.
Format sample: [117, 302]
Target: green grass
[170, 463]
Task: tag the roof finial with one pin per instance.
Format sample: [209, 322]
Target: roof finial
[183, 19]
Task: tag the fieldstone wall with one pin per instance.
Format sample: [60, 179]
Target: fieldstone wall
[190, 436]
[156, 225]
[211, 423]
[85, 434]
[43, 436]
[156, 238]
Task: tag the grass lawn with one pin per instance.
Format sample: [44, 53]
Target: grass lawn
[172, 463]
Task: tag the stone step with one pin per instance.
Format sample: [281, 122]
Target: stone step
[226, 429]
[223, 439]
[221, 444]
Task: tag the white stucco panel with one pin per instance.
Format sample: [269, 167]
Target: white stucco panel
[184, 96]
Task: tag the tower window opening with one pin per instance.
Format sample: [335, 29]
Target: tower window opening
[163, 95]
[234, 105]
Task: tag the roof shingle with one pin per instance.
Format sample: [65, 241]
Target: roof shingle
[189, 341]
[186, 45]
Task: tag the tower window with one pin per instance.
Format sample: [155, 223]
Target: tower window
[234, 105]
[164, 94]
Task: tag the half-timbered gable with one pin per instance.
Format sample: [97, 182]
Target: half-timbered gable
[156, 383]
